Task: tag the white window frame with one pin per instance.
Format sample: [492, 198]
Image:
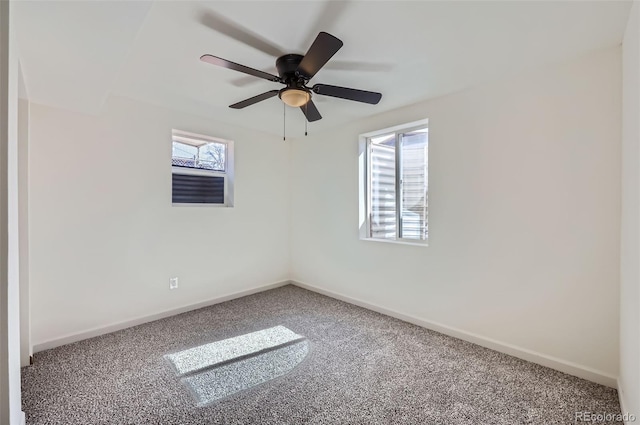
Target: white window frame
[363, 183]
[227, 174]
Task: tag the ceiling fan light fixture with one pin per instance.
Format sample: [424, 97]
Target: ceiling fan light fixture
[294, 97]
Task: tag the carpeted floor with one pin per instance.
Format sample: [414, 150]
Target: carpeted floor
[362, 368]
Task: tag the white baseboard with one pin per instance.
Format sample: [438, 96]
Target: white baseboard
[90, 333]
[19, 419]
[568, 367]
[623, 404]
[623, 408]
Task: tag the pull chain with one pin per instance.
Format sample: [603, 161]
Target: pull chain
[306, 110]
[284, 121]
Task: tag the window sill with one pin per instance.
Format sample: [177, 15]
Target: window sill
[398, 242]
[202, 205]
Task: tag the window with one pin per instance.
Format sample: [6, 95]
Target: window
[202, 169]
[393, 190]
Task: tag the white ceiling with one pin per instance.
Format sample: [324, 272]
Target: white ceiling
[75, 54]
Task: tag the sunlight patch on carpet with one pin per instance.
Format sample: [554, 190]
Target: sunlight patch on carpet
[228, 379]
[216, 353]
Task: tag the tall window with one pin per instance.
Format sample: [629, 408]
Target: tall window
[396, 184]
[202, 169]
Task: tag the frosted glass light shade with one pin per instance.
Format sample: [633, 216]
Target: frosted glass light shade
[295, 97]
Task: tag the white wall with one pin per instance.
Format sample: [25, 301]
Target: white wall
[4, 237]
[23, 231]
[10, 397]
[104, 238]
[524, 216]
[629, 385]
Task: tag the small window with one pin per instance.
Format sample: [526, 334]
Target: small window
[202, 169]
[394, 194]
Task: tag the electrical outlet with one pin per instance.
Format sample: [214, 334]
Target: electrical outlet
[173, 283]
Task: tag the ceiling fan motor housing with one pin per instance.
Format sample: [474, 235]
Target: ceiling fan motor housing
[287, 66]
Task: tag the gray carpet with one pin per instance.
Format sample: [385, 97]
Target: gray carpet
[363, 368]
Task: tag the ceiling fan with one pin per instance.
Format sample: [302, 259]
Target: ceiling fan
[295, 71]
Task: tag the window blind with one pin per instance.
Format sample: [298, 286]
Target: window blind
[197, 189]
[413, 184]
[383, 191]
[398, 186]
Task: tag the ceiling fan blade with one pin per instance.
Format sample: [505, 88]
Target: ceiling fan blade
[310, 111]
[347, 93]
[239, 33]
[214, 60]
[322, 49]
[247, 80]
[254, 99]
